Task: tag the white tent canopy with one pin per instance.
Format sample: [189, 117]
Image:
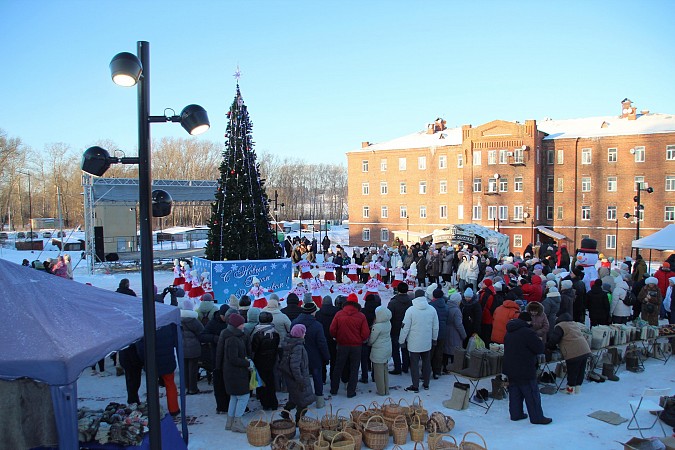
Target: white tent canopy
[467, 232]
[550, 233]
[663, 239]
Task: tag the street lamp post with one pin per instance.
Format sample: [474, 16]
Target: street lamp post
[407, 229]
[616, 243]
[30, 206]
[638, 207]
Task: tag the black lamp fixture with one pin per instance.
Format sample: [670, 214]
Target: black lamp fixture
[639, 187]
[127, 70]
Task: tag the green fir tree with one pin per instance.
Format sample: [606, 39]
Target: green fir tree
[239, 228]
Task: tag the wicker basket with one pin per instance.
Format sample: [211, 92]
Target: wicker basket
[376, 433]
[356, 412]
[309, 427]
[466, 445]
[342, 444]
[321, 443]
[330, 421]
[399, 430]
[375, 408]
[258, 432]
[433, 437]
[391, 410]
[420, 444]
[416, 430]
[354, 429]
[295, 445]
[280, 442]
[417, 408]
[282, 426]
[441, 444]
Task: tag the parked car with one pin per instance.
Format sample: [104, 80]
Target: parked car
[60, 234]
[3, 237]
[32, 235]
[46, 234]
[21, 235]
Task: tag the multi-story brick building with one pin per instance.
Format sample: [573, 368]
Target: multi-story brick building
[550, 180]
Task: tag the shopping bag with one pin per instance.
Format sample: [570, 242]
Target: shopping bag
[253, 380]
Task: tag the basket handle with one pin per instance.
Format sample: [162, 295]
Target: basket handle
[454, 441]
[403, 400]
[388, 399]
[418, 403]
[401, 417]
[375, 405]
[306, 411]
[473, 432]
[331, 411]
[365, 408]
[280, 436]
[419, 444]
[339, 433]
[371, 418]
[415, 416]
[260, 413]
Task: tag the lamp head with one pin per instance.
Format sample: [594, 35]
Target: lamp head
[627, 215]
[161, 203]
[194, 119]
[650, 190]
[95, 161]
[125, 69]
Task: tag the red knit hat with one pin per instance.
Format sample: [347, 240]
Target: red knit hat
[352, 298]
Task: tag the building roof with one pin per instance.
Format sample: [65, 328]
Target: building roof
[420, 139]
[587, 127]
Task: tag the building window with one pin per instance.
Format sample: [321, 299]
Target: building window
[585, 213]
[560, 213]
[550, 157]
[549, 184]
[423, 187]
[384, 189]
[460, 212]
[492, 185]
[477, 212]
[442, 162]
[492, 212]
[503, 185]
[639, 154]
[670, 182]
[518, 184]
[549, 212]
[364, 165]
[384, 235]
[612, 184]
[518, 212]
[503, 157]
[503, 212]
[402, 163]
[366, 212]
[365, 235]
[403, 212]
[403, 188]
[639, 180]
[611, 155]
[460, 186]
[477, 157]
[384, 212]
[423, 212]
[611, 213]
[610, 241]
[443, 187]
[561, 184]
[670, 214]
[492, 157]
[586, 156]
[383, 165]
[365, 188]
[460, 161]
[422, 162]
[585, 184]
[477, 185]
[561, 156]
[518, 240]
[670, 152]
[443, 212]
[519, 156]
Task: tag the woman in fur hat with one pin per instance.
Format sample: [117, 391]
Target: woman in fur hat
[651, 299]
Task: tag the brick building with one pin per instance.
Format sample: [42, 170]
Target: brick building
[552, 180]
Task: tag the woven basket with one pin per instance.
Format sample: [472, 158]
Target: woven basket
[391, 410]
[356, 412]
[433, 437]
[416, 430]
[417, 408]
[441, 444]
[309, 427]
[280, 442]
[466, 445]
[375, 434]
[295, 445]
[399, 430]
[321, 443]
[282, 426]
[354, 429]
[420, 444]
[330, 421]
[375, 408]
[258, 432]
[405, 410]
[342, 444]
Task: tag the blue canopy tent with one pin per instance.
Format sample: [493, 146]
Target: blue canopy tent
[55, 328]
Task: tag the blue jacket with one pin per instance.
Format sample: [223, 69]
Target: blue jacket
[315, 341]
[443, 312]
[521, 347]
[165, 344]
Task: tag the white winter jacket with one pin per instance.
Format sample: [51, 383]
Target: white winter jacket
[474, 269]
[420, 326]
[618, 307]
[463, 269]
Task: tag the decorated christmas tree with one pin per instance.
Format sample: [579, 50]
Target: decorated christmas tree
[239, 228]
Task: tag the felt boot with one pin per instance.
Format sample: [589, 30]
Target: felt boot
[228, 424]
[475, 366]
[608, 371]
[238, 426]
[498, 388]
[577, 389]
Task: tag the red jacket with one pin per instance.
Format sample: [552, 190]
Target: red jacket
[509, 310]
[349, 326]
[533, 292]
[486, 297]
[663, 276]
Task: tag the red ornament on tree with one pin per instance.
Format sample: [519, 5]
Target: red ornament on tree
[232, 172]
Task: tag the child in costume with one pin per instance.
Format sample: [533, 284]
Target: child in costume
[257, 293]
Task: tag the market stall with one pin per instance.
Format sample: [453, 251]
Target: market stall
[474, 234]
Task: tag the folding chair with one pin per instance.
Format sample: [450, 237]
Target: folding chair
[645, 404]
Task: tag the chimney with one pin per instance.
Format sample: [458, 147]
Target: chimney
[431, 128]
[627, 109]
[365, 144]
[439, 124]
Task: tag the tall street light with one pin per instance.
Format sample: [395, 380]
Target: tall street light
[639, 187]
[30, 206]
[128, 70]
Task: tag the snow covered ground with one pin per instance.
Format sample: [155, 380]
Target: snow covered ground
[571, 427]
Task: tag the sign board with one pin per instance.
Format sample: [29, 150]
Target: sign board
[460, 235]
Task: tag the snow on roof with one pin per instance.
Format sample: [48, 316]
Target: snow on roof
[420, 139]
[652, 123]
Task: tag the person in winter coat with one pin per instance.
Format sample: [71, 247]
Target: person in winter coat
[574, 348]
[668, 301]
[446, 265]
[442, 312]
[579, 306]
[165, 357]
[539, 322]
[325, 317]
[232, 358]
[522, 348]
[619, 311]
[398, 306]
[421, 269]
[210, 336]
[567, 296]
[292, 309]
[503, 314]
[372, 301]
[472, 314]
[60, 269]
[192, 348]
[123, 287]
[207, 309]
[533, 291]
[597, 304]
[650, 297]
[663, 275]
[419, 335]
[264, 344]
[252, 320]
[551, 305]
[350, 329]
[294, 367]
[280, 320]
[131, 362]
[639, 268]
[473, 272]
[454, 330]
[462, 271]
[486, 298]
[380, 348]
[316, 346]
[434, 267]
[563, 258]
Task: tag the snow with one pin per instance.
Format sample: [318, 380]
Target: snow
[571, 428]
[614, 126]
[420, 139]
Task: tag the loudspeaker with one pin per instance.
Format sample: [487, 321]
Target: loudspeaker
[98, 244]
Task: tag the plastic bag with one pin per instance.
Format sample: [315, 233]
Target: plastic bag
[475, 342]
[253, 380]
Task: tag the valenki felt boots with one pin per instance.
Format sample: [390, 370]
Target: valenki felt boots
[475, 366]
[608, 371]
[498, 392]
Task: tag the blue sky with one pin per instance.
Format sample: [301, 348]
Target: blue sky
[319, 77]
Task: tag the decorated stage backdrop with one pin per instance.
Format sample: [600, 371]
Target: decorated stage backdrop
[236, 277]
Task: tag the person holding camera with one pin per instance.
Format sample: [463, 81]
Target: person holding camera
[651, 298]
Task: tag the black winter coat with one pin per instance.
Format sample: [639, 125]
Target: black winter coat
[231, 358]
[443, 313]
[315, 341]
[292, 310]
[579, 306]
[398, 305]
[295, 368]
[165, 345]
[597, 304]
[472, 315]
[368, 310]
[325, 317]
[211, 334]
[265, 346]
[521, 347]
